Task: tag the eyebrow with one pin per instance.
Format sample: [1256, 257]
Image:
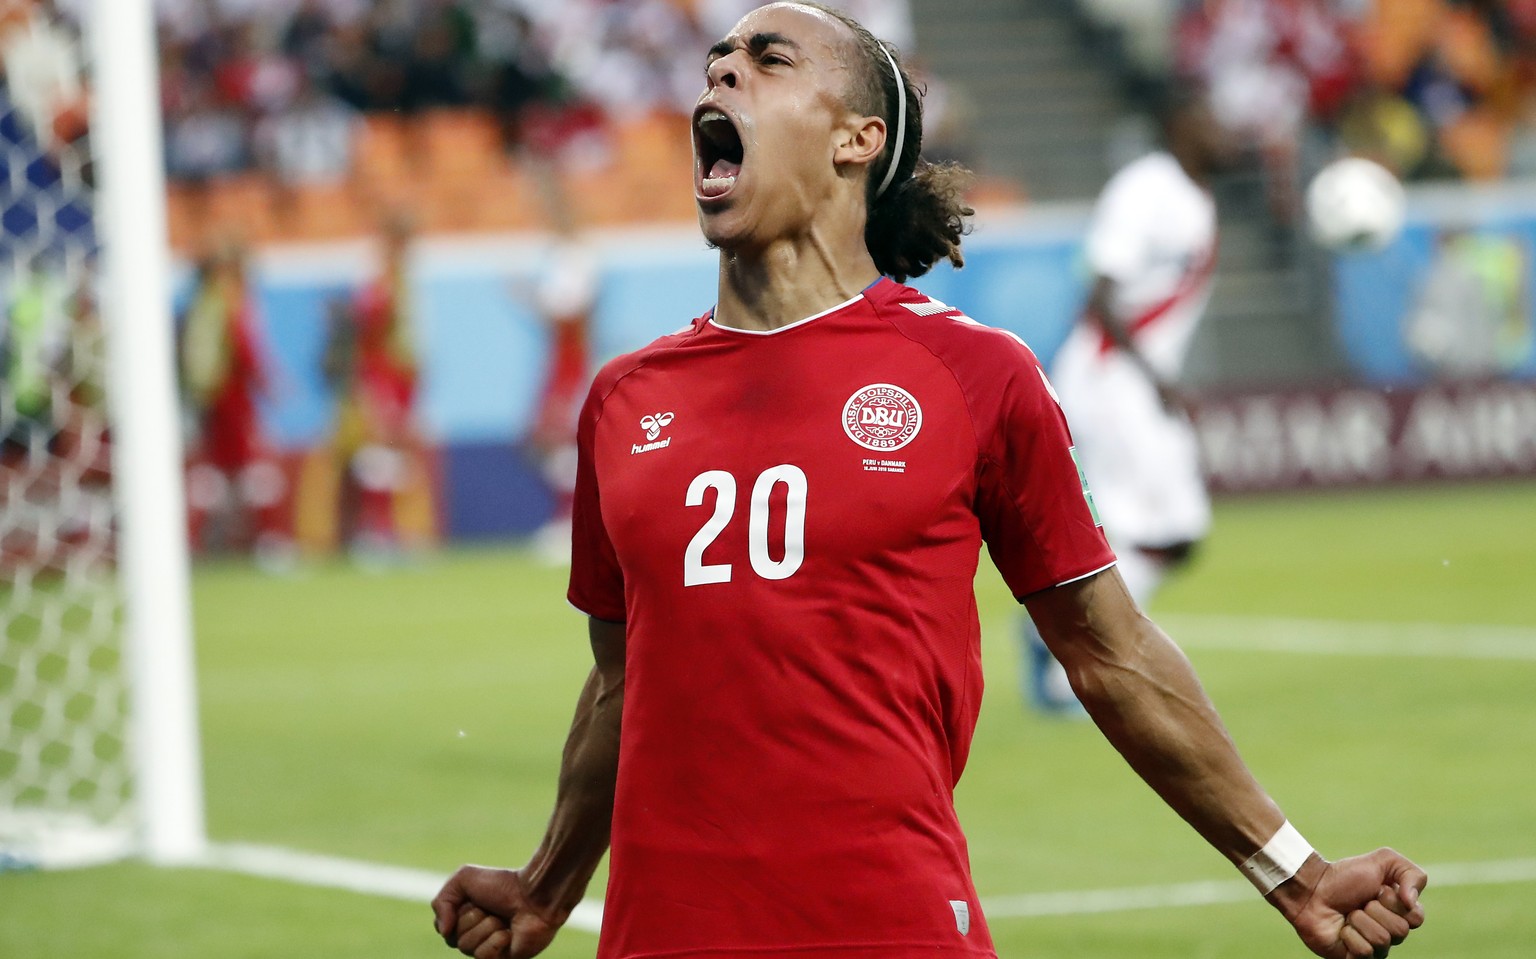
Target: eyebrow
[756, 44]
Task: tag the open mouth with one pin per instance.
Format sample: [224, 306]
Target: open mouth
[720, 152]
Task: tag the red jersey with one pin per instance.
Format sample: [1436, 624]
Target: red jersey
[231, 424]
[386, 373]
[789, 524]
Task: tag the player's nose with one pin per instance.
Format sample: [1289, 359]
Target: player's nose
[725, 71]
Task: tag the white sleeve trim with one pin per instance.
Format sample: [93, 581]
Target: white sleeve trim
[1079, 579]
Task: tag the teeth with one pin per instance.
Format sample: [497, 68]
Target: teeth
[711, 116]
[714, 186]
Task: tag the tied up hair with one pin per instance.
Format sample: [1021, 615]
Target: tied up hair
[919, 219]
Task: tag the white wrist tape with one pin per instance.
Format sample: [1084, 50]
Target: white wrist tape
[1279, 860]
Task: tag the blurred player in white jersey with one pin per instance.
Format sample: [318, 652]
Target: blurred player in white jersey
[1152, 249]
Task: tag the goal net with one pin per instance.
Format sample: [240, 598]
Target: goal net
[74, 759]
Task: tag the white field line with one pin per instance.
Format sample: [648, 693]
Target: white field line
[1211, 892]
[1251, 634]
[353, 875]
[1342, 638]
[417, 885]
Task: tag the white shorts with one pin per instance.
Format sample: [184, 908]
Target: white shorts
[1142, 463]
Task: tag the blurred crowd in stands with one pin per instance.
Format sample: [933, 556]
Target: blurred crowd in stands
[315, 95]
[1430, 88]
[281, 85]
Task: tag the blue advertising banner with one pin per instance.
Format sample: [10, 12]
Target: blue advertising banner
[1450, 299]
[484, 350]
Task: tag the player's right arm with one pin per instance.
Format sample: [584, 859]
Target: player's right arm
[515, 913]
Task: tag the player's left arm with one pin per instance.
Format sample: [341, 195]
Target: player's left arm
[1145, 697]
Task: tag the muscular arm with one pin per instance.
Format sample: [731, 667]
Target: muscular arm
[515, 913]
[1144, 695]
[577, 835]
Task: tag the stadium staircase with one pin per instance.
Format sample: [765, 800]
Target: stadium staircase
[1042, 107]
[1051, 107]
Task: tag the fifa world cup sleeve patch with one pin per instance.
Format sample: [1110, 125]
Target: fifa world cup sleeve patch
[1082, 477]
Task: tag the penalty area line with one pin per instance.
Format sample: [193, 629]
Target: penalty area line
[419, 885]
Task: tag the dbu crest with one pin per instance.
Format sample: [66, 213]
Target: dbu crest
[882, 417]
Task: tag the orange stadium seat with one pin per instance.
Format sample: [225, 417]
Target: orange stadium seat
[330, 212]
[461, 142]
[651, 174]
[1478, 144]
[382, 149]
[1396, 36]
[450, 166]
[243, 205]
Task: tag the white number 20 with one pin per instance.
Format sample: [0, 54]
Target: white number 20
[696, 573]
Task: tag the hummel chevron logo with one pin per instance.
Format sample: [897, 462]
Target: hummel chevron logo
[653, 424]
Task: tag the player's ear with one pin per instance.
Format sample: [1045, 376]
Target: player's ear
[859, 141]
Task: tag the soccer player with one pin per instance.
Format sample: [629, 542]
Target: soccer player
[564, 296]
[778, 519]
[370, 361]
[224, 374]
[1152, 248]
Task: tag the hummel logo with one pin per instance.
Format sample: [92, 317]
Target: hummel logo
[653, 425]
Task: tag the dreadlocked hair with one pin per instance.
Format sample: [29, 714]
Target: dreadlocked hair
[922, 215]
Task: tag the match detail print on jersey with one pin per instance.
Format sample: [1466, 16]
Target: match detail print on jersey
[882, 417]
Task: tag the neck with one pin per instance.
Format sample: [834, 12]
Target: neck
[1193, 165]
[790, 279]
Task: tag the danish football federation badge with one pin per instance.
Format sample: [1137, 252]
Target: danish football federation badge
[882, 417]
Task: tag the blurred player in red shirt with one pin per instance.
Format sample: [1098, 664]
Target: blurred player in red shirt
[565, 295]
[224, 372]
[376, 451]
[779, 512]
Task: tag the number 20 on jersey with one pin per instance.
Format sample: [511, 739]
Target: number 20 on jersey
[697, 573]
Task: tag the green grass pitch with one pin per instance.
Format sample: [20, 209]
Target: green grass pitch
[415, 718]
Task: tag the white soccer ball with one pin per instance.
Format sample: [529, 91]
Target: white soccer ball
[1355, 204]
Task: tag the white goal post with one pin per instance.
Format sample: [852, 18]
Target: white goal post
[99, 746]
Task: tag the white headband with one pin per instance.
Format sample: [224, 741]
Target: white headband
[901, 123]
